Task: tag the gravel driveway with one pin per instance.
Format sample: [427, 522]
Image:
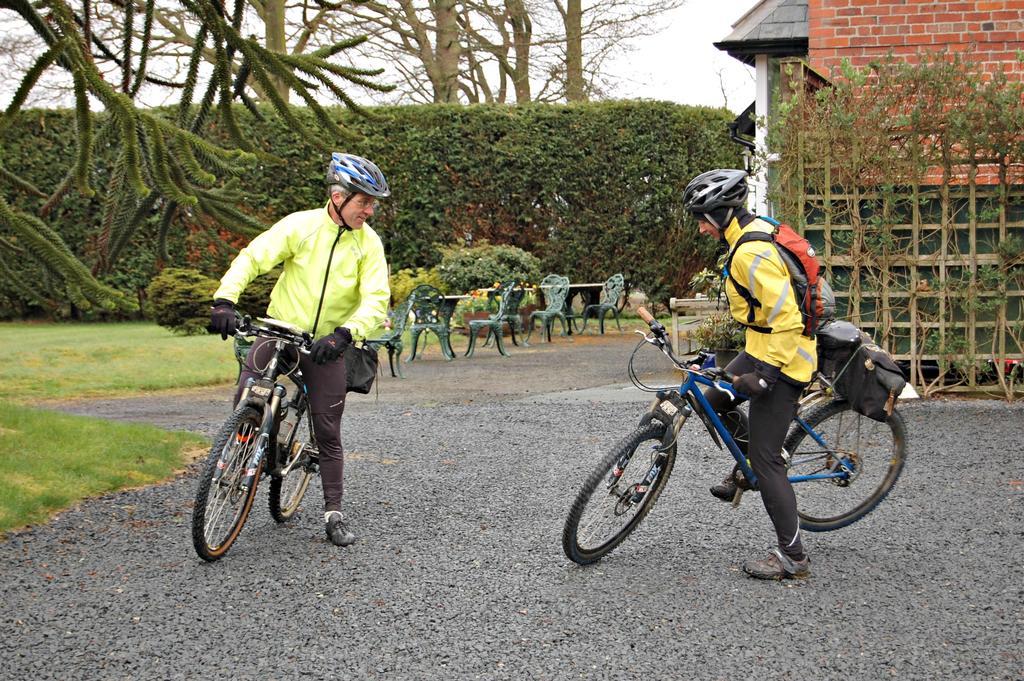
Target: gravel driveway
[458, 480]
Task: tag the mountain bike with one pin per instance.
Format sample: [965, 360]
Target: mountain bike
[841, 464]
[269, 434]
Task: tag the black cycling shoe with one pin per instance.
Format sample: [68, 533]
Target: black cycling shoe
[725, 490]
[337, 531]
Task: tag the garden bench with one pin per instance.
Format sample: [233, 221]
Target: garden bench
[686, 315]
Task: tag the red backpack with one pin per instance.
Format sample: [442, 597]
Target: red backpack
[805, 274]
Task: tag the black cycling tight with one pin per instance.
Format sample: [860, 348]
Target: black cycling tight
[770, 416]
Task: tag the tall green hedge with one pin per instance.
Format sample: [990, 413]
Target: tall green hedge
[591, 189]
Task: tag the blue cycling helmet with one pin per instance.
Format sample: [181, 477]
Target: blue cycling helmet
[357, 175]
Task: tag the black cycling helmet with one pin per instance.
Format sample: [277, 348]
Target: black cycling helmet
[357, 175]
[723, 188]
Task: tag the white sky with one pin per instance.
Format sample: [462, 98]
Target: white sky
[681, 64]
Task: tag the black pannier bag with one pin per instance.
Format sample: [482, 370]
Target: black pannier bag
[360, 368]
[862, 373]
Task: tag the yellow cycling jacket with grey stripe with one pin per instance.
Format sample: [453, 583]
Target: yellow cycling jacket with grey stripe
[357, 291]
[758, 266]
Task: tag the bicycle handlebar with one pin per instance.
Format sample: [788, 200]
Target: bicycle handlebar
[246, 327]
[656, 326]
[662, 341]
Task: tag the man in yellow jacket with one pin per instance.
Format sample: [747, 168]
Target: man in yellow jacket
[777, 362]
[335, 286]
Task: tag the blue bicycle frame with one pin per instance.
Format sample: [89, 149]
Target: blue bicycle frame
[839, 471]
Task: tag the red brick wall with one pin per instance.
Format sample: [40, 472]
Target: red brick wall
[862, 30]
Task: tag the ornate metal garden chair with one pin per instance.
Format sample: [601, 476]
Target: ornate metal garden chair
[511, 316]
[555, 287]
[609, 302]
[392, 338]
[427, 315]
[496, 320]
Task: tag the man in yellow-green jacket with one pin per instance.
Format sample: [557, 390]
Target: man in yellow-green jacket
[335, 286]
[777, 361]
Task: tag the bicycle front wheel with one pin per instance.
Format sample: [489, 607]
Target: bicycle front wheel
[617, 495]
[222, 503]
[845, 476]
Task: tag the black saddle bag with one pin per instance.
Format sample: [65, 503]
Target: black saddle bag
[360, 368]
[862, 373]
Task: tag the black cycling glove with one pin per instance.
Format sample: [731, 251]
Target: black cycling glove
[223, 319]
[760, 380]
[330, 347]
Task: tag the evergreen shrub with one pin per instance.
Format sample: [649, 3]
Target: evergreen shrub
[591, 189]
[404, 281]
[465, 269]
[180, 300]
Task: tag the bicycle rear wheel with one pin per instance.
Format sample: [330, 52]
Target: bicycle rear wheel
[286, 492]
[871, 453]
[222, 507]
[613, 500]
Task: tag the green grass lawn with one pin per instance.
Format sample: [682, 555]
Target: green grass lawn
[65, 361]
[50, 461]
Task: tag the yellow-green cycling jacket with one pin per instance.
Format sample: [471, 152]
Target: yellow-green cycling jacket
[357, 291]
[758, 266]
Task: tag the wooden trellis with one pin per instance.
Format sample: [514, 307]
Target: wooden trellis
[909, 179]
[934, 273]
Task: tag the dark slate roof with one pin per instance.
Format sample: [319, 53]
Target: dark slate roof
[776, 27]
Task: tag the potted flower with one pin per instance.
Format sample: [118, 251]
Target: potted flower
[722, 334]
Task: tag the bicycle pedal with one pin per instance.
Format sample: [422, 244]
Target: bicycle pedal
[736, 497]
